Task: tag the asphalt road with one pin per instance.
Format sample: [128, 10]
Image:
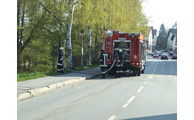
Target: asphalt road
[151, 96]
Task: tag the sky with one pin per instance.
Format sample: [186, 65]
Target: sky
[161, 11]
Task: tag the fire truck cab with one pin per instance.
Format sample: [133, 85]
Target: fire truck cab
[132, 46]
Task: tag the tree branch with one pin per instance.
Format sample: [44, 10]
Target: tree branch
[53, 15]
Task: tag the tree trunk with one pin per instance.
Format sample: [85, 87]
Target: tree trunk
[88, 62]
[69, 46]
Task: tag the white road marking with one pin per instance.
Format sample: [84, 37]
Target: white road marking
[170, 75]
[112, 117]
[145, 82]
[130, 100]
[150, 77]
[140, 89]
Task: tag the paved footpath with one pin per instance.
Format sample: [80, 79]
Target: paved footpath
[34, 87]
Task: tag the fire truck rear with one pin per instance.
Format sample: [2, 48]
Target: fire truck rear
[132, 47]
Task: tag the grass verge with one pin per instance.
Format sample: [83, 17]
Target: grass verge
[29, 76]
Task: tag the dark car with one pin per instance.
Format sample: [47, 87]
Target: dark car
[164, 57]
[170, 53]
[174, 57]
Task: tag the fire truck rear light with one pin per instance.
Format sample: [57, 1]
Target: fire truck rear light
[108, 62]
[136, 63]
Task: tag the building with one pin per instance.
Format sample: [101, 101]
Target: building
[172, 39]
[154, 39]
[151, 40]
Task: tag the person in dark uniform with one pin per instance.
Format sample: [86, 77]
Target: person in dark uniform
[103, 62]
[60, 67]
[119, 62]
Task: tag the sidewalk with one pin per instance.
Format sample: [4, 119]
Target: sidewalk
[34, 87]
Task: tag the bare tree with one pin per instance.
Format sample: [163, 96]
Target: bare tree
[88, 62]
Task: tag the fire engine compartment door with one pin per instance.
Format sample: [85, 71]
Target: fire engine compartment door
[125, 45]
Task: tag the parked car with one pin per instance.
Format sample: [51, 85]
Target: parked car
[155, 56]
[170, 53]
[174, 57]
[164, 57]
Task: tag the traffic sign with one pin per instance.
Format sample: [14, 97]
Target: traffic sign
[81, 32]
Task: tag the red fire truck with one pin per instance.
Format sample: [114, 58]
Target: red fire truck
[133, 48]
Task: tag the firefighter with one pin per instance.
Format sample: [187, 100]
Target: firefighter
[60, 67]
[103, 62]
[119, 62]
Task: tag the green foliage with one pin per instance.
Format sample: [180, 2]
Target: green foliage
[34, 75]
[162, 38]
[42, 28]
[29, 76]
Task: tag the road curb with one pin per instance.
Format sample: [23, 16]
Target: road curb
[37, 91]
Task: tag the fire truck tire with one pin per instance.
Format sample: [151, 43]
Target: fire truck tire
[138, 74]
[134, 74]
[142, 71]
[112, 72]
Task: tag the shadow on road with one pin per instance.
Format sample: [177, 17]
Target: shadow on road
[157, 117]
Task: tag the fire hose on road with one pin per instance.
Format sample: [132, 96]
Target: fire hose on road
[92, 73]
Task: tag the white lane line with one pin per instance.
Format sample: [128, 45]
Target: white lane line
[130, 100]
[112, 117]
[170, 75]
[150, 77]
[145, 82]
[140, 89]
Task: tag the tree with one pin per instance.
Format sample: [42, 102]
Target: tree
[69, 46]
[34, 27]
[42, 27]
[88, 60]
[162, 40]
[28, 20]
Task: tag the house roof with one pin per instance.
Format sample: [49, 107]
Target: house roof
[154, 31]
[173, 31]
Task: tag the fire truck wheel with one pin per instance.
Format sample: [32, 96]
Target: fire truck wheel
[112, 72]
[142, 71]
[138, 74]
